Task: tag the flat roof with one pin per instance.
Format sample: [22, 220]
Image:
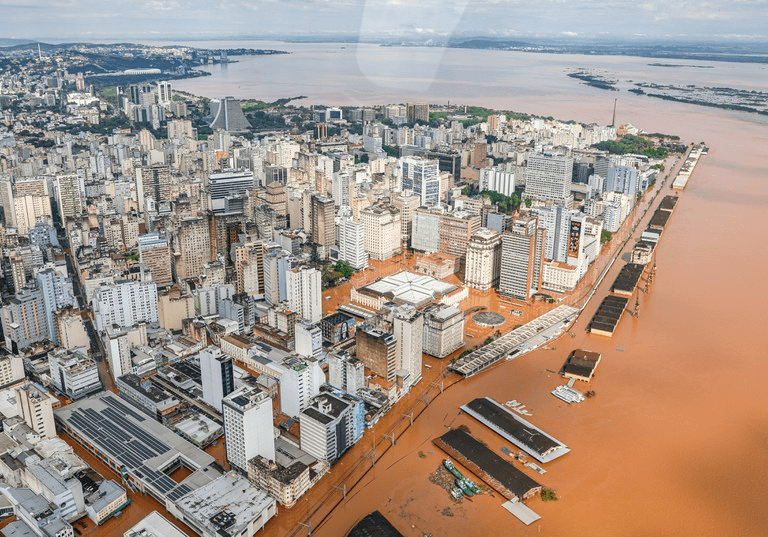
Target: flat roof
[520, 432]
[374, 525]
[154, 525]
[659, 218]
[627, 279]
[409, 288]
[138, 443]
[608, 315]
[495, 468]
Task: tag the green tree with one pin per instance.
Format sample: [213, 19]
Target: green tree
[528, 202]
[344, 268]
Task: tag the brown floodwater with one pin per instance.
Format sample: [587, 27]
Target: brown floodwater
[675, 441]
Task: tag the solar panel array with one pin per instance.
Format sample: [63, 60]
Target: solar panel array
[128, 444]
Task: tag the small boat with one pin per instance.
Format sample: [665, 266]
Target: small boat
[456, 493]
[464, 487]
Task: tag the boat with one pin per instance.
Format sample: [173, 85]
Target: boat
[464, 487]
[471, 485]
[451, 468]
[456, 493]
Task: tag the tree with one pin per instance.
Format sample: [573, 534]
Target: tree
[528, 202]
[344, 268]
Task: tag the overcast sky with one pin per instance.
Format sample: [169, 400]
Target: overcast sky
[190, 19]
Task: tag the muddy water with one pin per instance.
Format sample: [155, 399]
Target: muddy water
[675, 442]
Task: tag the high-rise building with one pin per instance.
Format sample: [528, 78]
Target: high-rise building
[443, 330]
[422, 177]
[331, 425]
[11, 370]
[481, 270]
[30, 210]
[248, 428]
[24, 320]
[623, 179]
[548, 177]
[125, 303]
[300, 381]
[36, 409]
[217, 374]
[377, 349]
[193, 247]
[70, 191]
[352, 242]
[522, 259]
[382, 230]
[155, 253]
[249, 267]
[346, 372]
[406, 202]
[153, 183]
[408, 329]
[164, 93]
[57, 294]
[277, 263]
[417, 112]
[305, 293]
[497, 180]
[323, 226]
[228, 184]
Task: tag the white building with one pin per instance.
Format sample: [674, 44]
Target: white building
[422, 177]
[382, 231]
[352, 242]
[11, 369]
[36, 409]
[217, 374]
[443, 330]
[305, 293]
[331, 424]
[125, 303]
[73, 374]
[483, 263]
[248, 426]
[497, 180]
[548, 177]
[300, 381]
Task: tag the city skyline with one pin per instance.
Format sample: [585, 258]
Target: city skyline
[381, 19]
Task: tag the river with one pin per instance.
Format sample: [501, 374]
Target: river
[675, 442]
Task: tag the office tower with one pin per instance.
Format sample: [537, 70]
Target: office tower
[164, 94]
[228, 115]
[16, 273]
[352, 242]
[309, 340]
[57, 294]
[248, 427]
[581, 172]
[155, 253]
[69, 196]
[30, 210]
[228, 184]
[483, 262]
[125, 303]
[522, 258]
[406, 202]
[426, 231]
[456, 229]
[153, 183]
[179, 129]
[408, 329]
[382, 230]
[346, 372]
[11, 370]
[417, 112]
[24, 320]
[277, 264]
[117, 343]
[443, 330]
[497, 180]
[249, 268]
[276, 198]
[7, 201]
[377, 349]
[323, 225]
[623, 179]
[449, 162]
[422, 177]
[193, 247]
[305, 293]
[548, 177]
[217, 374]
[331, 425]
[36, 409]
[556, 220]
[300, 381]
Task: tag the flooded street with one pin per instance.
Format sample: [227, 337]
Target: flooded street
[674, 441]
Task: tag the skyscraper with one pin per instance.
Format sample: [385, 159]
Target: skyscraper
[304, 293]
[522, 258]
[323, 226]
[417, 112]
[155, 253]
[217, 376]
[422, 177]
[483, 260]
[248, 428]
[193, 247]
[352, 242]
[249, 267]
[548, 177]
[69, 196]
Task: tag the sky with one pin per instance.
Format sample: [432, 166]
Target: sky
[369, 19]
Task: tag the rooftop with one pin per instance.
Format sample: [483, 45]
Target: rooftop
[409, 288]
